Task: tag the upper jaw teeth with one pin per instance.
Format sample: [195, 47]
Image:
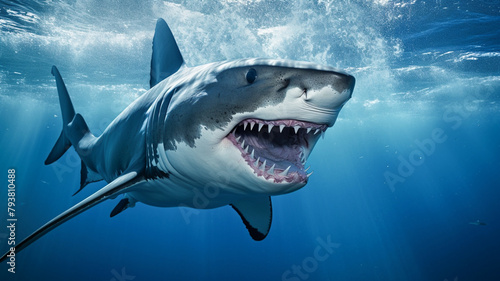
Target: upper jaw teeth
[312, 128]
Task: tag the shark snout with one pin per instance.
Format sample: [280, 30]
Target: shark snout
[328, 91]
[324, 90]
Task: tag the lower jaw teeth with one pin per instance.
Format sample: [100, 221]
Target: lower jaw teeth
[256, 164]
[285, 172]
[262, 169]
[271, 170]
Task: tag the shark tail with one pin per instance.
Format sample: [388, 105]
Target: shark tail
[74, 130]
[68, 113]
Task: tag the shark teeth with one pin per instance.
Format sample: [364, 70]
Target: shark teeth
[265, 142]
[303, 157]
[271, 170]
[256, 164]
[282, 126]
[296, 126]
[285, 172]
[273, 173]
[263, 167]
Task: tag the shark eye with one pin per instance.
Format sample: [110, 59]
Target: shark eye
[251, 75]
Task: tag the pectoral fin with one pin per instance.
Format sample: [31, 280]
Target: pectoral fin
[256, 214]
[120, 207]
[119, 185]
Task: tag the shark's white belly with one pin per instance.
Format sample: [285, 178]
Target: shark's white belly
[166, 193]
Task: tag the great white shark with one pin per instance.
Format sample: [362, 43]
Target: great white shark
[243, 129]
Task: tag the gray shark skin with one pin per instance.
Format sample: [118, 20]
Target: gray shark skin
[243, 128]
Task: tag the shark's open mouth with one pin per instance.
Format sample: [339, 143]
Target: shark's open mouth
[276, 150]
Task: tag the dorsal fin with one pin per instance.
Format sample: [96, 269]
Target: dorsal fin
[167, 58]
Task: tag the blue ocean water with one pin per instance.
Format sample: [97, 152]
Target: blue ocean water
[410, 163]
